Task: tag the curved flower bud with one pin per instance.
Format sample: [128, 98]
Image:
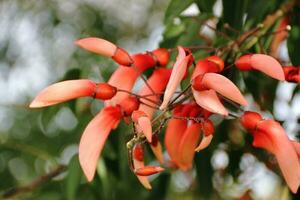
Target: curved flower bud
[220, 84]
[93, 139]
[209, 100]
[177, 75]
[148, 170]
[188, 143]
[143, 123]
[261, 62]
[72, 89]
[105, 48]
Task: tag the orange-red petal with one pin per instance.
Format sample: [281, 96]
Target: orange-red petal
[209, 100]
[267, 65]
[174, 133]
[178, 72]
[63, 91]
[158, 82]
[93, 139]
[188, 143]
[223, 86]
[98, 46]
[272, 137]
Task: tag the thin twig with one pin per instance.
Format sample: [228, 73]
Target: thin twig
[34, 184]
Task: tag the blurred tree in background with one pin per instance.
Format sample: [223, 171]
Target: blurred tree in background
[38, 148]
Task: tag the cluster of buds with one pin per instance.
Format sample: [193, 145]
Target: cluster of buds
[185, 113]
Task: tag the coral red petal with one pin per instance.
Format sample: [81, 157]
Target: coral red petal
[277, 142]
[223, 86]
[267, 65]
[204, 66]
[174, 133]
[93, 139]
[178, 72]
[205, 142]
[146, 127]
[297, 147]
[158, 152]
[188, 143]
[123, 78]
[209, 100]
[98, 46]
[158, 82]
[63, 91]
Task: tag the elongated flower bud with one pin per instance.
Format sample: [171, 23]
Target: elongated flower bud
[148, 170]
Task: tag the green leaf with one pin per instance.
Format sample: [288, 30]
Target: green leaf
[293, 41]
[174, 30]
[73, 178]
[175, 8]
[72, 74]
[234, 12]
[205, 5]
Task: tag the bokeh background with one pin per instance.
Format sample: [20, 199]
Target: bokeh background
[37, 49]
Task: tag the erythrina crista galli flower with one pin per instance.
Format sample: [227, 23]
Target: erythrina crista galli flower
[186, 113]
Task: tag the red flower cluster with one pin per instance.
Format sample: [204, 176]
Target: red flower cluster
[186, 113]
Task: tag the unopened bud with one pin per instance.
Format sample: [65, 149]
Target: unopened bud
[148, 170]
